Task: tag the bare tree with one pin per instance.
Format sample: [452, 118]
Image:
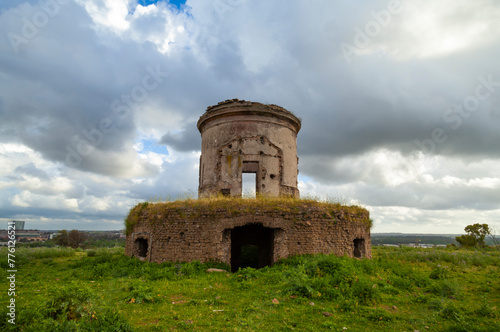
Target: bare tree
[62, 238]
[494, 237]
[76, 238]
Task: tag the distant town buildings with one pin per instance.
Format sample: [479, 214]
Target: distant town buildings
[19, 224]
[34, 235]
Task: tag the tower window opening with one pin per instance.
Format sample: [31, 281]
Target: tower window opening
[249, 185]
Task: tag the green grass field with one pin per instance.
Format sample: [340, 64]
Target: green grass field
[400, 289]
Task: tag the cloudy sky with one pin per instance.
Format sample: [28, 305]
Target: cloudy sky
[399, 100]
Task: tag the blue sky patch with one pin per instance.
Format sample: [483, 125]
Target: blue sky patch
[153, 146]
[176, 3]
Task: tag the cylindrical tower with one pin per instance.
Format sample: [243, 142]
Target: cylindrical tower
[238, 137]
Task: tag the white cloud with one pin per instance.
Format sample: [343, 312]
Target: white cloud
[28, 199]
[360, 119]
[108, 14]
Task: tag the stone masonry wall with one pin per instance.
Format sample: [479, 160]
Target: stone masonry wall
[246, 137]
[186, 234]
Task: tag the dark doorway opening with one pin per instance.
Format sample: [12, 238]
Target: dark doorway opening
[251, 246]
[141, 245]
[359, 248]
[250, 256]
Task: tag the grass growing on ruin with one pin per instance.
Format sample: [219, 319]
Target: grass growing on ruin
[241, 205]
[400, 289]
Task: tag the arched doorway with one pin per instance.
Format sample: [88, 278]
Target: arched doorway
[251, 246]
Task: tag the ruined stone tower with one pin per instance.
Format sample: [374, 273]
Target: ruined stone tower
[246, 137]
[239, 137]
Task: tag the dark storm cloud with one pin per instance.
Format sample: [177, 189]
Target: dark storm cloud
[61, 88]
[365, 103]
[187, 140]
[361, 119]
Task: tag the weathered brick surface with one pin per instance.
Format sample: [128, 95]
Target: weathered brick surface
[238, 137]
[186, 234]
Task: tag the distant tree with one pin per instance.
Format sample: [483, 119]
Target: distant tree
[61, 238]
[494, 238]
[475, 235]
[76, 238]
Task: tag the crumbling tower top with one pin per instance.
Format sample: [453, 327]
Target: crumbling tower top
[247, 137]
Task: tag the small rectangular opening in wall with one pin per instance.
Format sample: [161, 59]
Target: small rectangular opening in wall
[141, 247]
[249, 184]
[359, 248]
[249, 179]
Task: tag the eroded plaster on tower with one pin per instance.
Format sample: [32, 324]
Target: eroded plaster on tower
[246, 137]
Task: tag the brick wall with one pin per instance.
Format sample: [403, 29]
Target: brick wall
[186, 234]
